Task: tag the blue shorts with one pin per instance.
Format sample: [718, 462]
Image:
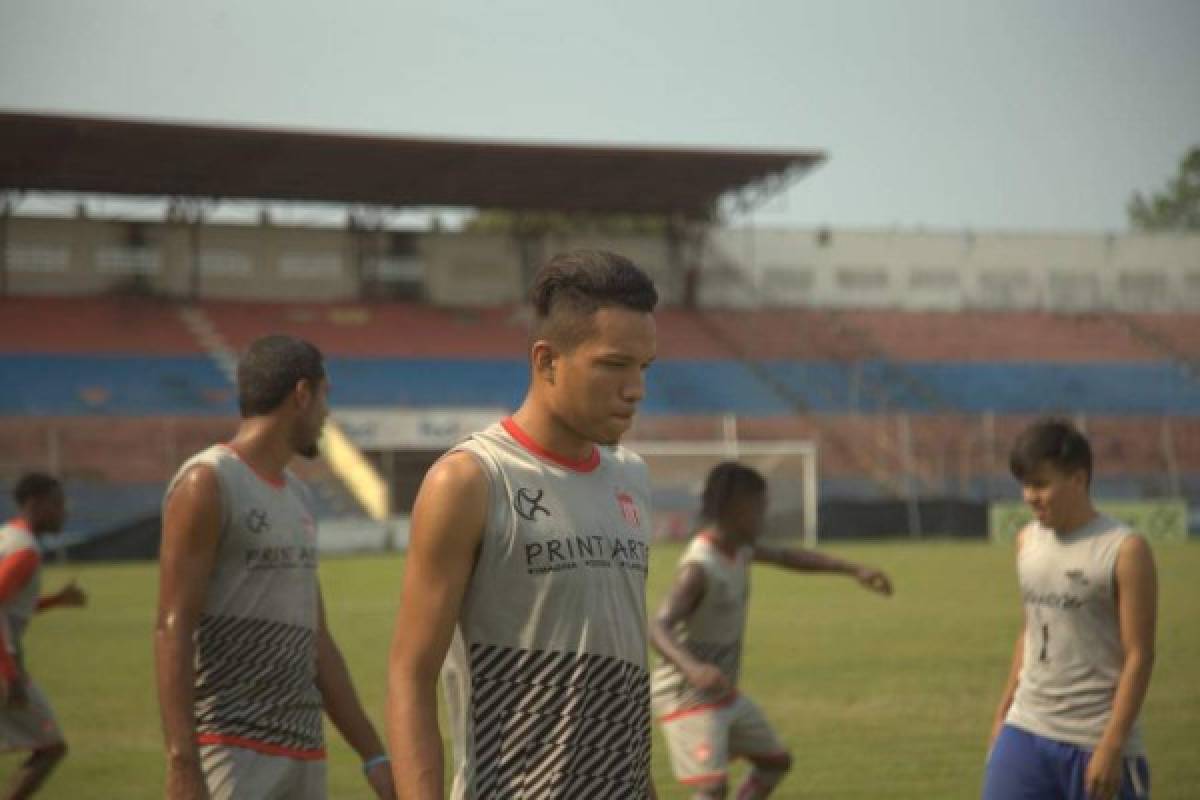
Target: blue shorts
[1024, 766]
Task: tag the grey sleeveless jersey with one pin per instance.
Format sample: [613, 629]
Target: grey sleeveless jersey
[255, 645]
[1073, 655]
[546, 680]
[714, 632]
[15, 614]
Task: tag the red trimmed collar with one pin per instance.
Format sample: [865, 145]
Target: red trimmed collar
[277, 483]
[525, 440]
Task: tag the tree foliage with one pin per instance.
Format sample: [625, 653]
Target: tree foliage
[1177, 206]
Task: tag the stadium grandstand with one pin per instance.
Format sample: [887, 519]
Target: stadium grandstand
[909, 359]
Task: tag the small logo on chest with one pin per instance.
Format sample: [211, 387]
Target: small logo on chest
[257, 521]
[528, 503]
[1076, 577]
[629, 510]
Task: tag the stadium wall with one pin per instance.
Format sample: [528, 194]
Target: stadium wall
[736, 267]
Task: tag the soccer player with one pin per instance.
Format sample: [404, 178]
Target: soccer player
[527, 564]
[244, 657]
[1066, 726]
[26, 720]
[699, 632]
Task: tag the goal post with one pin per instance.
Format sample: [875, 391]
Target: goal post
[678, 469]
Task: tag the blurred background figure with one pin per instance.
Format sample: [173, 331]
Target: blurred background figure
[26, 720]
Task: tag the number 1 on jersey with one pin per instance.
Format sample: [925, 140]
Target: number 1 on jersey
[1043, 658]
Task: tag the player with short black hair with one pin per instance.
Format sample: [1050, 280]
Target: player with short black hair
[526, 568]
[245, 660]
[1066, 725]
[699, 632]
[26, 719]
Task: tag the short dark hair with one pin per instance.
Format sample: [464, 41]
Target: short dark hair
[1054, 441]
[270, 369]
[571, 287]
[33, 485]
[725, 481]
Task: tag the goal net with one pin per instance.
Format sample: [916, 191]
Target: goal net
[678, 469]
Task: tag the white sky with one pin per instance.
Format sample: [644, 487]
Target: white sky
[1012, 114]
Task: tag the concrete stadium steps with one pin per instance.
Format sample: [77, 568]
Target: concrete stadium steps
[128, 325]
[1181, 332]
[392, 330]
[153, 326]
[132, 355]
[785, 334]
[111, 449]
[411, 330]
[106, 383]
[992, 336]
[85, 384]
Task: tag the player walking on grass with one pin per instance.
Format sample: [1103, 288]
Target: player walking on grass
[244, 657]
[1066, 726]
[26, 720]
[527, 565]
[700, 630]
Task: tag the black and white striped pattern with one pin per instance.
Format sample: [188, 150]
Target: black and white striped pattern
[553, 725]
[257, 680]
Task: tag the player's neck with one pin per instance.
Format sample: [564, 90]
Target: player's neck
[1076, 520]
[724, 540]
[264, 446]
[550, 434]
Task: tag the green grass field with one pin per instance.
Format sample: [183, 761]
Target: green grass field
[877, 698]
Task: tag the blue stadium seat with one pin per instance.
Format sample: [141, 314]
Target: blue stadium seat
[129, 385]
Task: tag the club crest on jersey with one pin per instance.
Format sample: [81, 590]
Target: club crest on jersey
[629, 510]
[257, 521]
[1076, 577]
[528, 503]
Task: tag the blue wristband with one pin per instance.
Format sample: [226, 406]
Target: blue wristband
[374, 761]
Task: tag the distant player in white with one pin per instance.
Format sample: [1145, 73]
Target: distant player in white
[1066, 726]
[26, 720]
[700, 632]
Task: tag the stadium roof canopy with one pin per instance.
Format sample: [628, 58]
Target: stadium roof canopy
[81, 154]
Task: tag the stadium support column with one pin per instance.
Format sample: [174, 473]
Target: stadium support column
[529, 237]
[685, 247]
[677, 267]
[912, 500]
[193, 228]
[365, 226]
[190, 213]
[8, 202]
[1167, 442]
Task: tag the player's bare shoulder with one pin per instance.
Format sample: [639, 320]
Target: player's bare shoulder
[1135, 555]
[457, 474]
[198, 486]
[452, 504]
[1023, 536]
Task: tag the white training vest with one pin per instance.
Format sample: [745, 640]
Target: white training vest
[546, 677]
[1073, 655]
[15, 537]
[255, 645]
[714, 632]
